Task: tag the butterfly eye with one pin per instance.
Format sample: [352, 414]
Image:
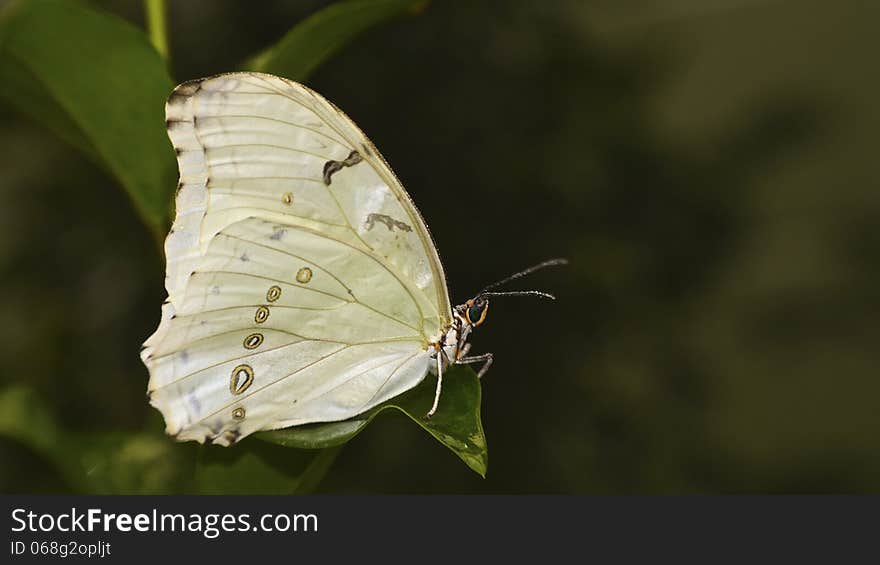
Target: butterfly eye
[476, 313]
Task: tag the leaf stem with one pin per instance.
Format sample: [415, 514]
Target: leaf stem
[156, 26]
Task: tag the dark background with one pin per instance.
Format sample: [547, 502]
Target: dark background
[708, 167]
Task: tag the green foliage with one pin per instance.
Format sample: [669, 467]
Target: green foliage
[255, 467]
[456, 424]
[99, 84]
[320, 36]
[99, 463]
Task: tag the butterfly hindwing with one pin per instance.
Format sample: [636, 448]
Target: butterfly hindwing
[268, 321]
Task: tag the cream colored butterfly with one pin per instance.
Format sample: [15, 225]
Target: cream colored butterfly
[303, 285]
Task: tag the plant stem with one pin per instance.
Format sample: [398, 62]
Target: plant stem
[156, 26]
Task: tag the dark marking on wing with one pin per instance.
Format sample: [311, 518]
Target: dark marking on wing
[184, 91]
[388, 221]
[172, 125]
[331, 166]
[278, 234]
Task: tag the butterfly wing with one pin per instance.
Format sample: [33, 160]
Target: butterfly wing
[303, 285]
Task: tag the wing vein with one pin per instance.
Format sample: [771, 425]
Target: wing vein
[319, 234]
[286, 214]
[399, 278]
[270, 279]
[393, 339]
[246, 356]
[268, 118]
[272, 145]
[405, 361]
[242, 397]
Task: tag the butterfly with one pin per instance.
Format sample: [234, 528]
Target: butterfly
[303, 284]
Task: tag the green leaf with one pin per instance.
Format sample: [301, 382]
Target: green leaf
[23, 91]
[95, 81]
[261, 468]
[317, 38]
[456, 424]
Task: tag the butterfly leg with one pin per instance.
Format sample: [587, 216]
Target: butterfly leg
[487, 357]
[439, 386]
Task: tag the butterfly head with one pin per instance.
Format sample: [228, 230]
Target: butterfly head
[474, 310]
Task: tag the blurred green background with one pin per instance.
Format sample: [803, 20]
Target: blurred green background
[708, 167]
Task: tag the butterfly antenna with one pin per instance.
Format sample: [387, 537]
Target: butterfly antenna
[521, 293]
[524, 272]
